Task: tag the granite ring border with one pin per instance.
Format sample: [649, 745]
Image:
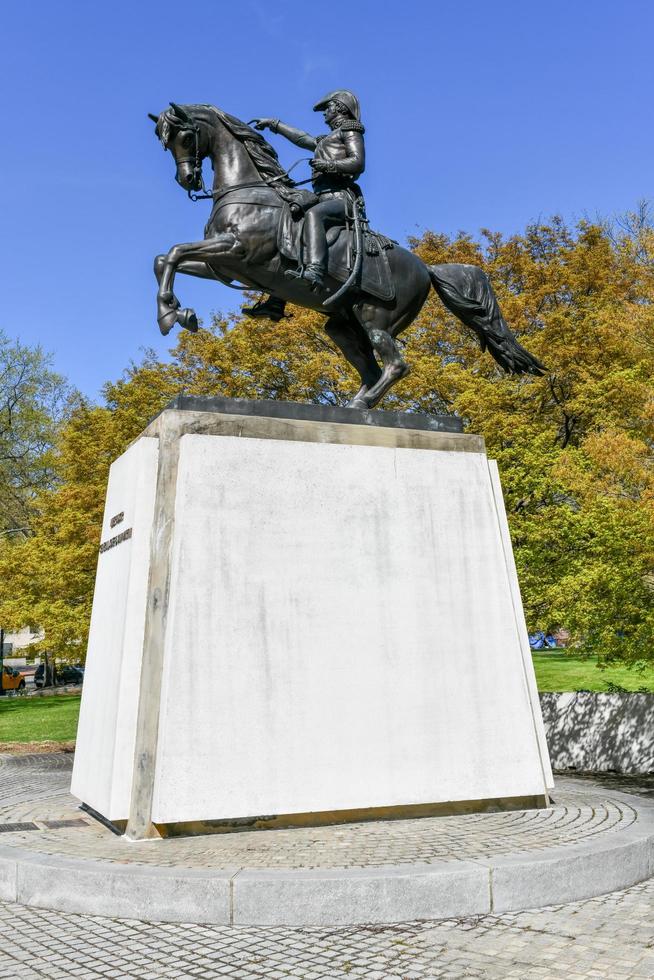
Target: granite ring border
[338, 896]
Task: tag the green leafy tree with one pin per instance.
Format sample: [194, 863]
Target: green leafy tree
[33, 402]
[48, 577]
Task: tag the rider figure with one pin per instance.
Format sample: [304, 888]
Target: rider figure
[339, 159]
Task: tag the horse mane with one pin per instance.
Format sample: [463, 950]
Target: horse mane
[263, 155]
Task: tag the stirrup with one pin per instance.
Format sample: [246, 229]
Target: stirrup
[311, 273]
[295, 273]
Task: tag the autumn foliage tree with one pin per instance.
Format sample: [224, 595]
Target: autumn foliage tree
[574, 447]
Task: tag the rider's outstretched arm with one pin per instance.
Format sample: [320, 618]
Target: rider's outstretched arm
[297, 136]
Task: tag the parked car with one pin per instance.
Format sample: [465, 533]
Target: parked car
[59, 675]
[12, 679]
[70, 675]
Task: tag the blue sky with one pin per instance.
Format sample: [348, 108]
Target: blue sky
[478, 114]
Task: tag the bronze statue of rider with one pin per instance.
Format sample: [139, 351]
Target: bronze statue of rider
[338, 160]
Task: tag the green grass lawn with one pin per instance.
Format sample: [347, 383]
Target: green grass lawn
[39, 719]
[558, 671]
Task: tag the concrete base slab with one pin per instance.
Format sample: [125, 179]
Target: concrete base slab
[591, 841]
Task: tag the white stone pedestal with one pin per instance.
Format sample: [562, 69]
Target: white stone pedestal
[301, 620]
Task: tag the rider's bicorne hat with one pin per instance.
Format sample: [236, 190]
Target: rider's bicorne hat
[348, 99]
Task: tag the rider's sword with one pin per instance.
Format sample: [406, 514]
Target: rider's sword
[358, 259]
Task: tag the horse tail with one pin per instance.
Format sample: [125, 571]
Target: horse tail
[465, 290]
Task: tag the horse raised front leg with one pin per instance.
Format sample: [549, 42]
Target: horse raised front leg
[190, 257]
[167, 304]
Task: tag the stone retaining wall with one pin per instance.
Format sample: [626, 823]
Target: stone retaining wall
[600, 732]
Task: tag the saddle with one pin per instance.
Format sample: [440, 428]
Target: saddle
[375, 278]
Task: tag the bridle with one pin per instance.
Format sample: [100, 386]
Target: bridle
[198, 179]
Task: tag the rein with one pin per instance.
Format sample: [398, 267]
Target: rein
[216, 195]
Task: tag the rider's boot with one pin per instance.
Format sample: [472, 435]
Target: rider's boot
[272, 307]
[313, 273]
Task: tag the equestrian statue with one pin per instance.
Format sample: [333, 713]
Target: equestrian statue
[314, 248]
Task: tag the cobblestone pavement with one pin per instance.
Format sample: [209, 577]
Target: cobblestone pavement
[611, 936]
[37, 812]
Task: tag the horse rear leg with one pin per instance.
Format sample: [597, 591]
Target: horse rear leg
[350, 338]
[378, 324]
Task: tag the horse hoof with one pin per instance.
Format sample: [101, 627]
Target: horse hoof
[188, 320]
[167, 321]
[359, 403]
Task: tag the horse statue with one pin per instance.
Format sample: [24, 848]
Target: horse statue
[373, 289]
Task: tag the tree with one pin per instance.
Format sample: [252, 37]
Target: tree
[49, 575]
[574, 447]
[33, 402]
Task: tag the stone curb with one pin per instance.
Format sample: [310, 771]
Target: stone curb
[335, 896]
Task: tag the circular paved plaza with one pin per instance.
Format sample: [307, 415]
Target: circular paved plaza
[595, 838]
[36, 802]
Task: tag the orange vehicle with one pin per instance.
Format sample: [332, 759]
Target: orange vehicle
[12, 680]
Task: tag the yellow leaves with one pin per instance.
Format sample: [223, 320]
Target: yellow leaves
[293, 359]
[609, 463]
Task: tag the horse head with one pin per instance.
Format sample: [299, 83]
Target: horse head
[238, 152]
[180, 132]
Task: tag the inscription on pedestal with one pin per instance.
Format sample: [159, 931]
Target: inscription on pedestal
[117, 539]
